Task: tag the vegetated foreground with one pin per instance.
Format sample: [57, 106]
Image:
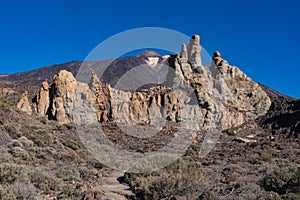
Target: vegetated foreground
[42, 159]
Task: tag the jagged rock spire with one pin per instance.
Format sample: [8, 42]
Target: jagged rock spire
[194, 50]
[43, 99]
[95, 81]
[183, 54]
[218, 60]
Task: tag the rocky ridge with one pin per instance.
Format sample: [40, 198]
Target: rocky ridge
[224, 95]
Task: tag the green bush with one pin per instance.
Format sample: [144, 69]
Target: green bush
[6, 194]
[268, 196]
[24, 191]
[71, 144]
[12, 131]
[69, 192]
[44, 182]
[68, 173]
[283, 180]
[10, 172]
[209, 196]
[181, 178]
[4, 105]
[19, 152]
[41, 137]
[291, 196]
[266, 157]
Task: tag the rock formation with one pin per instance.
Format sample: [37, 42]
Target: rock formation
[183, 54]
[43, 99]
[62, 96]
[222, 96]
[5, 92]
[193, 51]
[24, 104]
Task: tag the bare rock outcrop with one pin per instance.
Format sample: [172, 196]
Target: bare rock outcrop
[193, 51]
[43, 99]
[222, 96]
[5, 92]
[226, 96]
[24, 104]
[62, 96]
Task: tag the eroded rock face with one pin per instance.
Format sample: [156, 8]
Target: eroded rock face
[193, 51]
[226, 96]
[220, 96]
[62, 96]
[43, 99]
[24, 104]
[5, 92]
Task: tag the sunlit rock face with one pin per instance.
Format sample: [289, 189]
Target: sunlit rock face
[220, 95]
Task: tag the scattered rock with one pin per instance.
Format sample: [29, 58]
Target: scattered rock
[92, 196]
[243, 140]
[24, 104]
[5, 92]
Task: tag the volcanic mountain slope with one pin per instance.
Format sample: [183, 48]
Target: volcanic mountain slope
[115, 69]
[36, 77]
[256, 157]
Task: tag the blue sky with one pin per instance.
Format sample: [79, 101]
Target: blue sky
[260, 37]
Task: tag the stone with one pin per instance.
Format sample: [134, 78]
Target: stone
[243, 140]
[222, 96]
[43, 99]
[62, 96]
[24, 104]
[183, 54]
[193, 51]
[4, 92]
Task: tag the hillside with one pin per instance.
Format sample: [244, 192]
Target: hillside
[45, 155]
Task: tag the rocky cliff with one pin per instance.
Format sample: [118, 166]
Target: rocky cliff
[222, 95]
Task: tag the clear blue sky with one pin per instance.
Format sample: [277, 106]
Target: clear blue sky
[260, 37]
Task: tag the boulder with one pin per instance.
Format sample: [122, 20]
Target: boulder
[24, 104]
[5, 92]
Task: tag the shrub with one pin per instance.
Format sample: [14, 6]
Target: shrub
[291, 196]
[25, 141]
[9, 173]
[283, 180]
[44, 182]
[69, 192]
[87, 174]
[182, 178]
[19, 152]
[42, 138]
[12, 131]
[266, 157]
[6, 194]
[71, 145]
[209, 196]
[268, 196]
[24, 191]
[68, 174]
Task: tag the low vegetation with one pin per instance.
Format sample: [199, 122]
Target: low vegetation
[42, 159]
